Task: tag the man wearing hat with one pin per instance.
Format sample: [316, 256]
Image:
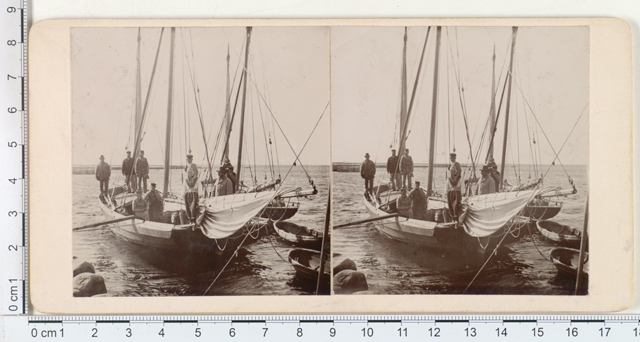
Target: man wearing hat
[368, 172]
[392, 169]
[228, 170]
[454, 194]
[487, 184]
[406, 168]
[493, 172]
[142, 171]
[155, 204]
[103, 172]
[418, 202]
[224, 186]
[127, 171]
[191, 189]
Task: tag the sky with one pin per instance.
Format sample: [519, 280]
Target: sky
[551, 77]
[289, 81]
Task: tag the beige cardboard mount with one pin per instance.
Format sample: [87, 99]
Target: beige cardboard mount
[610, 187]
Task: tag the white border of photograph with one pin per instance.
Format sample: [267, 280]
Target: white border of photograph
[610, 191]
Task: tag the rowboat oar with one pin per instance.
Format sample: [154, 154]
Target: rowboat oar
[366, 220]
[132, 217]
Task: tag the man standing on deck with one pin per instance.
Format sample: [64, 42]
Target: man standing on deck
[191, 189]
[418, 202]
[493, 172]
[403, 204]
[155, 203]
[454, 194]
[103, 172]
[227, 168]
[224, 186]
[486, 185]
[127, 171]
[394, 172]
[406, 168]
[368, 172]
[142, 171]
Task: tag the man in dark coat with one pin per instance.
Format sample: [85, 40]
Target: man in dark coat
[103, 172]
[406, 168]
[127, 171]
[155, 204]
[142, 171]
[419, 202]
[368, 172]
[228, 170]
[393, 170]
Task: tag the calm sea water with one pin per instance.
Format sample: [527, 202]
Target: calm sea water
[129, 270]
[395, 268]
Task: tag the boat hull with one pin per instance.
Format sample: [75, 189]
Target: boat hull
[279, 213]
[559, 234]
[439, 236]
[541, 212]
[298, 235]
[306, 262]
[566, 261]
[175, 237]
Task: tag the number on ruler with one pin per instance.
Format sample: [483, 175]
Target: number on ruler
[434, 332]
[538, 332]
[501, 332]
[11, 42]
[572, 332]
[9, 77]
[11, 9]
[471, 332]
[367, 332]
[604, 332]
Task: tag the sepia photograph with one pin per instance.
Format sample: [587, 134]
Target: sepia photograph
[200, 161]
[467, 171]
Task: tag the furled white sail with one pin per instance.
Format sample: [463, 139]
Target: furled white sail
[224, 215]
[486, 214]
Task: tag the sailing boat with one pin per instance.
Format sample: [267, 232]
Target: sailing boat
[486, 219]
[540, 208]
[224, 222]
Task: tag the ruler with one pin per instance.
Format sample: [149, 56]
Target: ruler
[324, 328]
[13, 154]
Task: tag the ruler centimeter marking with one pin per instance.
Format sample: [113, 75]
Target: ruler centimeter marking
[326, 328]
[13, 153]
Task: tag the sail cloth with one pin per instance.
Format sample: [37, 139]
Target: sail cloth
[486, 214]
[225, 215]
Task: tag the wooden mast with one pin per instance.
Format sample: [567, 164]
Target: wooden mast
[492, 111]
[244, 99]
[227, 112]
[506, 117]
[583, 245]
[138, 118]
[403, 99]
[434, 103]
[167, 150]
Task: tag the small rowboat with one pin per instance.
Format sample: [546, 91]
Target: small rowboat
[306, 262]
[299, 235]
[559, 233]
[566, 261]
[541, 209]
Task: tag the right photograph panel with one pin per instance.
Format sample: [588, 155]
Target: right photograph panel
[460, 160]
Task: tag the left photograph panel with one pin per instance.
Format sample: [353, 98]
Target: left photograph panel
[200, 161]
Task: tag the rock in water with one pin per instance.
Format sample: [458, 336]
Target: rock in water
[85, 267]
[346, 264]
[88, 284]
[350, 281]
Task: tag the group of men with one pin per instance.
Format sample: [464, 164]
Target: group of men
[400, 169]
[150, 206]
[413, 203]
